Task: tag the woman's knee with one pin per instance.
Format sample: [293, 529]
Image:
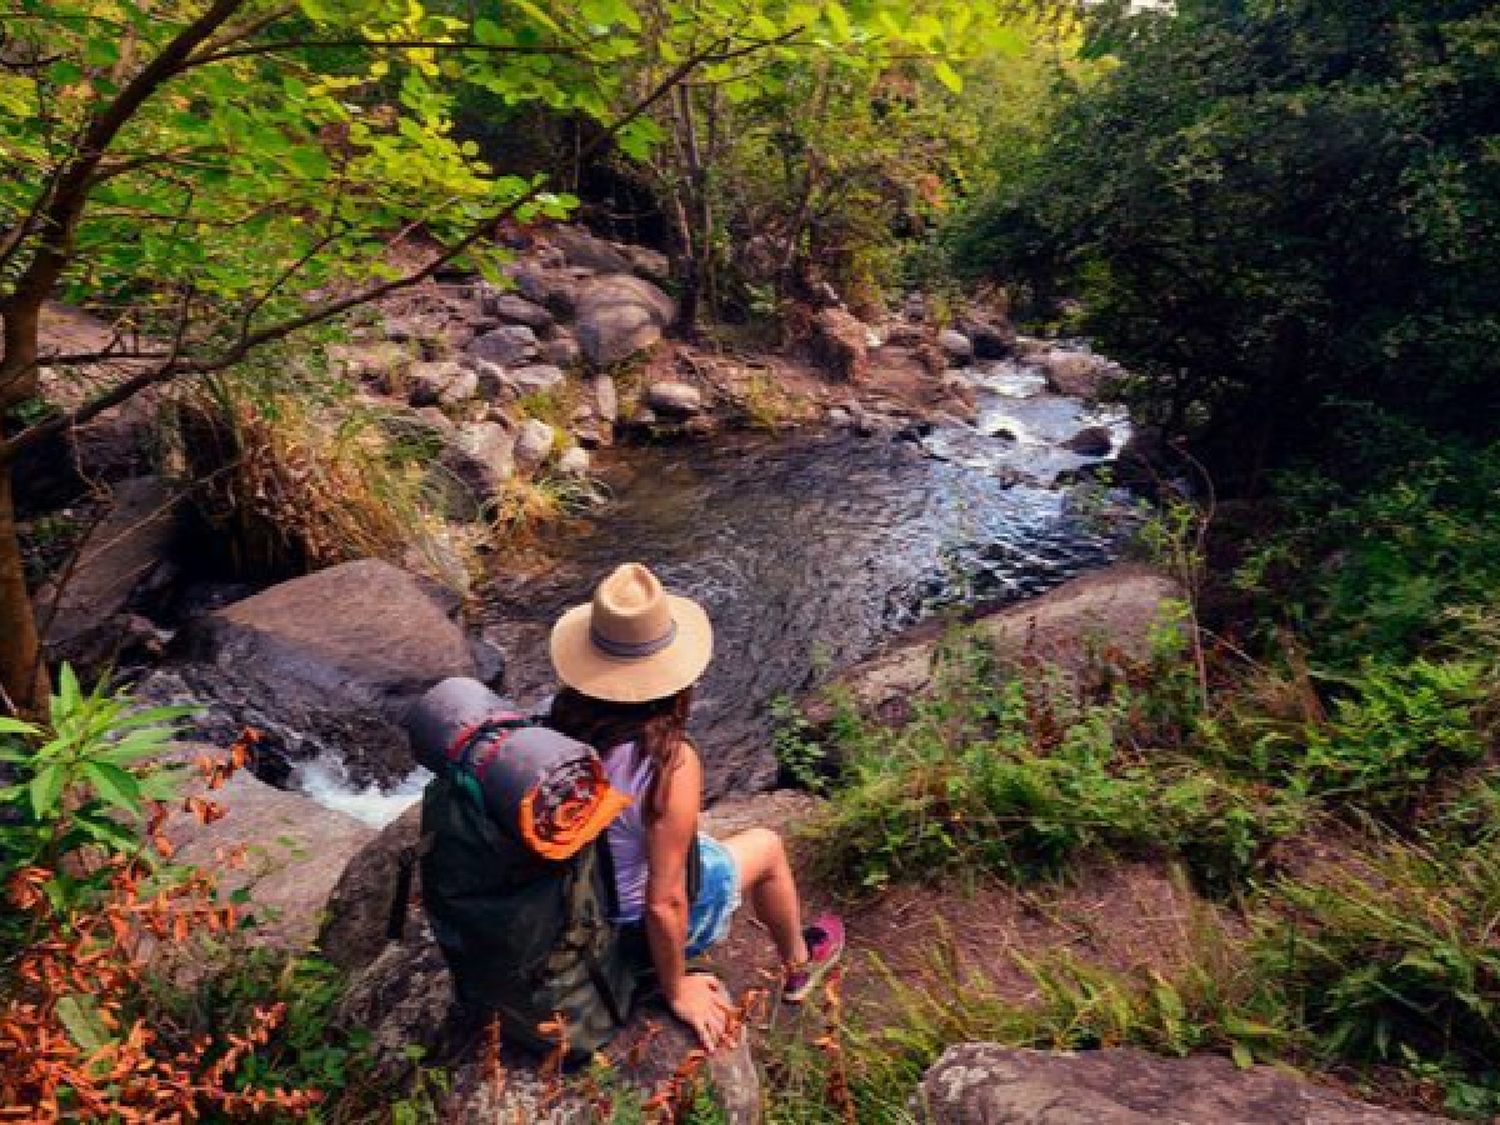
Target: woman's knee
[760, 854]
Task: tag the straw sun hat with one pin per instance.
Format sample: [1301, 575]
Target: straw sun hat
[634, 642]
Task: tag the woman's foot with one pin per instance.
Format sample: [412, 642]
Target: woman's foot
[825, 945]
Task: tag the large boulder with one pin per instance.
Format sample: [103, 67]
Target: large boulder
[404, 998]
[509, 345]
[512, 308]
[359, 906]
[479, 461]
[619, 316]
[441, 383]
[839, 343]
[991, 339]
[581, 248]
[293, 853]
[1068, 626]
[339, 656]
[1076, 374]
[555, 289]
[987, 1084]
[957, 347]
[123, 563]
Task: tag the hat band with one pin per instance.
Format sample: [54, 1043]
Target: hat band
[632, 650]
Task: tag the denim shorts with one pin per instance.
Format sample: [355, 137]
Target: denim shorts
[718, 897]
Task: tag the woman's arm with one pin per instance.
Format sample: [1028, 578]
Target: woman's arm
[699, 1001]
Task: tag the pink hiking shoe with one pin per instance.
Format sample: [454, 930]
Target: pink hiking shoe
[825, 945]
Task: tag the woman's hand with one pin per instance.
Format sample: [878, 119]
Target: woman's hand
[702, 1002]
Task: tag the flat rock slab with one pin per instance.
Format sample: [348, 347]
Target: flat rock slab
[987, 1084]
[340, 655]
[292, 851]
[1117, 607]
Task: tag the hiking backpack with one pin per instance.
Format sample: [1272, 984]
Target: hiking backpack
[517, 878]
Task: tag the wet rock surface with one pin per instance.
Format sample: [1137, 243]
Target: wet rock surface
[337, 657]
[987, 1084]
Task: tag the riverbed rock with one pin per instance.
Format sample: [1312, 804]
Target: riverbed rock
[1075, 374]
[294, 853]
[124, 563]
[574, 463]
[653, 265]
[512, 308]
[605, 397]
[988, 1084]
[839, 344]
[619, 316]
[581, 248]
[339, 656]
[957, 347]
[991, 339]
[1115, 608]
[561, 350]
[510, 345]
[442, 383]
[1091, 441]
[354, 924]
[555, 289]
[534, 444]
[383, 362]
[404, 998]
[481, 460]
[677, 400]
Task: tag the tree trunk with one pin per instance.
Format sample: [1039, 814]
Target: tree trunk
[23, 675]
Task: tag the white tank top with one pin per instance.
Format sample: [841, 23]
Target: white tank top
[627, 833]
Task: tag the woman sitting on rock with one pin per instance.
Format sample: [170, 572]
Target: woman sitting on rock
[628, 662]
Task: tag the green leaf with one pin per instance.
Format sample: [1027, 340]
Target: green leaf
[46, 788]
[117, 787]
[949, 77]
[16, 726]
[80, 1016]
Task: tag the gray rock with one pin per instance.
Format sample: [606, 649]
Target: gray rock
[339, 656]
[358, 906]
[1075, 374]
[574, 463]
[1091, 441]
[605, 398]
[679, 400]
[987, 1084]
[650, 264]
[444, 382]
[581, 248]
[404, 997]
[535, 379]
[555, 289]
[562, 350]
[413, 329]
[508, 345]
[991, 339]
[956, 346]
[383, 362]
[840, 417]
[481, 461]
[533, 446]
[299, 854]
[513, 309]
[124, 563]
[620, 315]
[840, 344]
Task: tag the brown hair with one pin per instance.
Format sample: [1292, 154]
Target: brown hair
[657, 728]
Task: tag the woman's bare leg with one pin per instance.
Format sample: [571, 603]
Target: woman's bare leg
[766, 880]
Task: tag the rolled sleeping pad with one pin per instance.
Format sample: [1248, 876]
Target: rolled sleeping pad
[442, 717]
[548, 791]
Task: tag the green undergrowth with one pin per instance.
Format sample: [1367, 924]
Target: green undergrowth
[1325, 785]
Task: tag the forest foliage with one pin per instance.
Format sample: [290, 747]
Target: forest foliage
[1285, 217]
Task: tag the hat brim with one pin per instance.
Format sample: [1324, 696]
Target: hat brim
[587, 669]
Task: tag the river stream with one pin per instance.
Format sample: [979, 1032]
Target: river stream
[809, 552]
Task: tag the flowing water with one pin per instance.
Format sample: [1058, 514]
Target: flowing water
[809, 552]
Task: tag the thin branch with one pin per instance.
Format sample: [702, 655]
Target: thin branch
[370, 44]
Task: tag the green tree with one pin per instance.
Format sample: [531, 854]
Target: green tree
[215, 175]
[1286, 216]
